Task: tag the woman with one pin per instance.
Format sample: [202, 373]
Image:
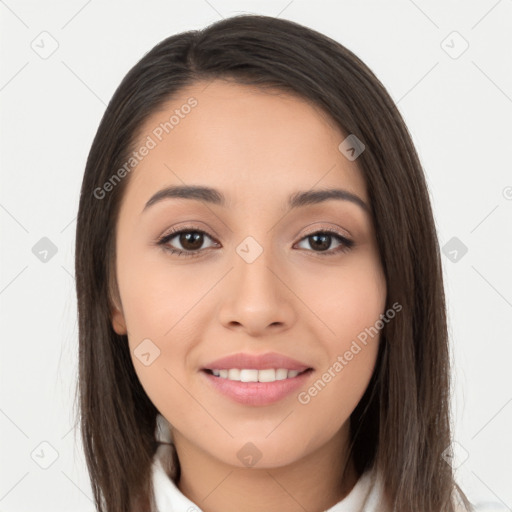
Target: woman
[259, 285]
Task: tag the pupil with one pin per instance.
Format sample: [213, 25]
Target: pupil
[324, 245]
[191, 238]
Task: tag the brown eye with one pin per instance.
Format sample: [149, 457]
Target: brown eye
[321, 241]
[190, 240]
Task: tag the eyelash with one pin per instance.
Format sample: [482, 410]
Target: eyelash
[346, 244]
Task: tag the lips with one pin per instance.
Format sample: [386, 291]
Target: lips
[257, 362]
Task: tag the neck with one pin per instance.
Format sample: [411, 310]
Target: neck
[315, 482]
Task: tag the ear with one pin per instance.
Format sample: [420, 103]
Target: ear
[118, 321]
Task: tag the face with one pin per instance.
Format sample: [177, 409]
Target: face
[258, 275]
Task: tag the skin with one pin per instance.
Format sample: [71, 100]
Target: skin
[256, 147]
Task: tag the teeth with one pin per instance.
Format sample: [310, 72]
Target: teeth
[233, 374]
[248, 375]
[281, 374]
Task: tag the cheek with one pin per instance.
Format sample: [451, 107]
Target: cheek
[345, 372]
[350, 303]
[157, 294]
[158, 302]
[348, 299]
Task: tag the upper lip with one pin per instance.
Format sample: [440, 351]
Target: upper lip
[256, 362]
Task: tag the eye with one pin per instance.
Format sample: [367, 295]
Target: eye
[322, 240]
[190, 239]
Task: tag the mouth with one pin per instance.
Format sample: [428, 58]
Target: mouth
[256, 379]
[251, 387]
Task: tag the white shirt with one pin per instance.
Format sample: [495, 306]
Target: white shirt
[365, 496]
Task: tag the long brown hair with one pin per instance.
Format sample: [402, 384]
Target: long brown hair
[402, 424]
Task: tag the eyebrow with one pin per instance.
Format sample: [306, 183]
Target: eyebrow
[214, 196]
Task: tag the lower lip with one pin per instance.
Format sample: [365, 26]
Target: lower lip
[257, 393]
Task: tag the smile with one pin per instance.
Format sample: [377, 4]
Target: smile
[256, 387]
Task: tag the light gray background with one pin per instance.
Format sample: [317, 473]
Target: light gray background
[458, 109]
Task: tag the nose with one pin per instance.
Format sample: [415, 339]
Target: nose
[257, 298]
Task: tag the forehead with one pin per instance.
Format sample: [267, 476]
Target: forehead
[256, 145]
